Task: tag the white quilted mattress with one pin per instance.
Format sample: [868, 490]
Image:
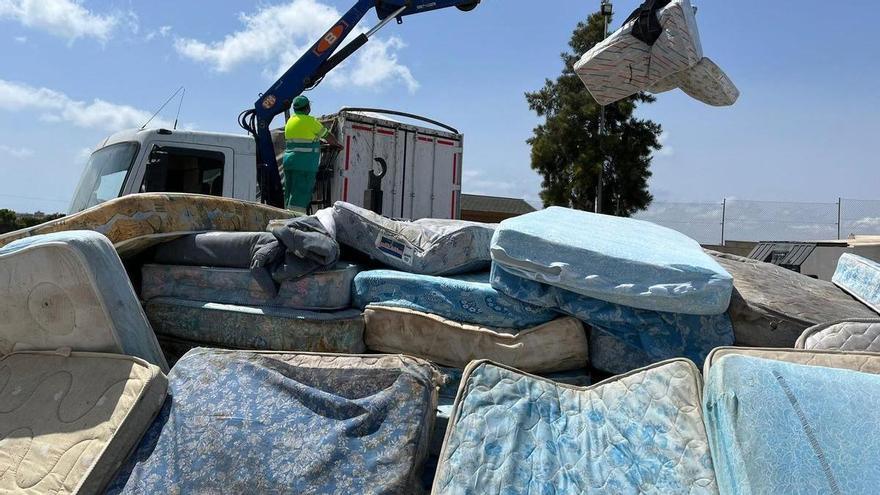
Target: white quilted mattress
[68, 421]
[847, 335]
[637, 433]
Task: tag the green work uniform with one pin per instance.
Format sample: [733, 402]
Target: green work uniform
[302, 157]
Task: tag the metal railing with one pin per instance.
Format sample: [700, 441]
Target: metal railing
[743, 220]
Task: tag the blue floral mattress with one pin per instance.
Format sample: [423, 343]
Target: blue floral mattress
[427, 246]
[327, 290]
[637, 433]
[246, 422]
[625, 338]
[257, 328]
[860, 277]
[618, 260]
[779, 427]
[463, 298]
[70, 289]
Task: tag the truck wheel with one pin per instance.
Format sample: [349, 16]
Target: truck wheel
[468, 6]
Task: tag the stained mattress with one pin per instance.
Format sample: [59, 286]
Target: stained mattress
[772, 306]
[70, 289]
[68, 421]
[861, 335]
[624, 338]
[637, 433]
[559, 345]
[618, 260]
[427, 246]
[855, 361]
[860, 277]
[136, 222]
[705, 82]
[464, 298]
[257, 328]
[328, 290]
[246, 422]
[780, 427]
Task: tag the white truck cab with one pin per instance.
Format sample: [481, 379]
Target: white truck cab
[422, 176]
[161, 160]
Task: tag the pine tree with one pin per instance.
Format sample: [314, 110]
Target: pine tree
[568, 151]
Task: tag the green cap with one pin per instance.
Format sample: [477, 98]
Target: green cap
[301, 103]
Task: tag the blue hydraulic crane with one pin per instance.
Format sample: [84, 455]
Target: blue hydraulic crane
[311, 68]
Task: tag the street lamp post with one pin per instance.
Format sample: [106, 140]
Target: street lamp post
[607, 10]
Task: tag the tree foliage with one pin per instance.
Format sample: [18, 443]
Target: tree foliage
[568, 151]
[10, 220]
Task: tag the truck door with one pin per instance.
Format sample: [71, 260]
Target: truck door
[186, 168]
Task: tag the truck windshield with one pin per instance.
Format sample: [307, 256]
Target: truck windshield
[104, 175]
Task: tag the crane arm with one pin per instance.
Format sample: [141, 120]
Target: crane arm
[311, 68]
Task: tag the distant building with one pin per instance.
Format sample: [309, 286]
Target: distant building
[492, 209]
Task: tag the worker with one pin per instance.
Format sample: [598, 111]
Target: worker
[302, 157]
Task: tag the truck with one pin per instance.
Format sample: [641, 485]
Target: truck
[412, 163]
[398, 169]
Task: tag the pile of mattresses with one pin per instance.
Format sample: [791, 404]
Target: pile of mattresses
[247, 291]
[757, 421]
[647, 293]
[81, 373]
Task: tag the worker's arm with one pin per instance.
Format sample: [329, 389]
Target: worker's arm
[332, 140]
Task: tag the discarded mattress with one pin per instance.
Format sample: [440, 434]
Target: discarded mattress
[136, 222]
[861, 335]
[257, 328]
[637, 433]
[619, 260]
[860, 277]
[854, 361]
[657, 49]
[778, 427]
[247, 422]
[328, 290]
[70, 289]
[705, 82]
[559, 345]
[68, 421]
[624, 338]
[427, 246]
[452, 381]
[772, 306]
[464, 298]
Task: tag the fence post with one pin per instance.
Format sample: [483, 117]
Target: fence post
[839, 211]
[723, 218]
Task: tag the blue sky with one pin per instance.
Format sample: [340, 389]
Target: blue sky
[804, 129]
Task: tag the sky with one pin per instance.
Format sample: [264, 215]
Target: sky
[804, 129]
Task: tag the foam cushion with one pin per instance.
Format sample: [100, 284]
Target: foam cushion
[70, 289]
[559, 345]
[779, 427]
[257, 328]
[638, 433]
[69, 420]
[427, 246]
[618, 260]
[242, 422]
[464, 298]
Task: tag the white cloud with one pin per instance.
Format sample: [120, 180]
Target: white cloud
[162, 32]
[278, 35]
[54, 106]
[20, 39]
[63, 18]
[16, 152]
[667, 149]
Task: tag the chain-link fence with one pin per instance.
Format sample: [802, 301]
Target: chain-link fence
[741, 220]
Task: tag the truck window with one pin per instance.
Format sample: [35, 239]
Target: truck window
[184, 170]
